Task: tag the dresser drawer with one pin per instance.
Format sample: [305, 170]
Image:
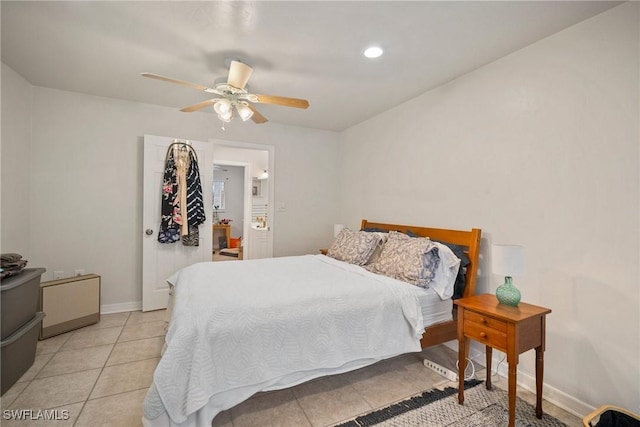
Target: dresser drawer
[490, 322]
[486, 330]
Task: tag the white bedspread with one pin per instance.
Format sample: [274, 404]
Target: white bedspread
[241, 327]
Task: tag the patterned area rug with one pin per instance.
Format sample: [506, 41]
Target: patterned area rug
[440, 408]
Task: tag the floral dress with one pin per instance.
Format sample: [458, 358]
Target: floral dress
[171, 219]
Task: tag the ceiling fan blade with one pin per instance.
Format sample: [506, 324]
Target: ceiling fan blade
[257, 117]
[180, 82]
[198, 106]
[239, 74]
[281, 100]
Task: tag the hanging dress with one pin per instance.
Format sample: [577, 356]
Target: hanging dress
[170, 219]
[183, 158]
[194, 211]
[182, 209]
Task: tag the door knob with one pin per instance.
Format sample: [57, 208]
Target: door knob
[148, 232]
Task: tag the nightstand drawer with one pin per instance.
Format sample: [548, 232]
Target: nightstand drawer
[485, 334]
[490, 322]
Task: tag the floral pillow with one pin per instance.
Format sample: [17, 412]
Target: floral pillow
[354, 247]
[410, 259]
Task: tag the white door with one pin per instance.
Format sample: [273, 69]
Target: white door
[161, 260]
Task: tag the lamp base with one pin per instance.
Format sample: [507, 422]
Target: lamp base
[508, 294]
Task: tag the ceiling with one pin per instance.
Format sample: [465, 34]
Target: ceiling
[310, 50]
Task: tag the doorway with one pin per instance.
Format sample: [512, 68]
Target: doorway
[229, 209]
[258, 160]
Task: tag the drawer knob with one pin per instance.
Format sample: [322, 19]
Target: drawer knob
[483, 335]
[483, 320]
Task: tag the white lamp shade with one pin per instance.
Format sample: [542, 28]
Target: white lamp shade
[507, 260]
[223, 107]
[337, 228]
[244, 111]
[226, 117]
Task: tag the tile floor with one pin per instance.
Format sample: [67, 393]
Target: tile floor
[100, 375]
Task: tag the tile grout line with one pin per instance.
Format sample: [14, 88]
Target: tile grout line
[40, 370]
[60, 350]
[84, 404]
[105, 366]
[302, 408]
[386, 404]
[441, 385]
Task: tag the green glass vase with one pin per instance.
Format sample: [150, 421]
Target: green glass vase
[508, 294]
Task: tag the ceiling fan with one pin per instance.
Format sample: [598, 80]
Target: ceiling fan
[234, 94]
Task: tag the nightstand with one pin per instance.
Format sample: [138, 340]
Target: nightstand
[512, 330]
[227, 232]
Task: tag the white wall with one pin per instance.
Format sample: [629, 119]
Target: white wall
[16, 165]
[540, 148]
[259, 159]
[86, 186]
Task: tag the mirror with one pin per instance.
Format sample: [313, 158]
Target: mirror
[218, 195]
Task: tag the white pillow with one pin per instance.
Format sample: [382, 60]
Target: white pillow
[445, 279]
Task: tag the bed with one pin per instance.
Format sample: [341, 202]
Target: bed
[267, 324]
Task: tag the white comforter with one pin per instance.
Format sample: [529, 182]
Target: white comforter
[241, 327]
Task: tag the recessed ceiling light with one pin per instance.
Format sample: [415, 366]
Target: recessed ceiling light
[373, 52]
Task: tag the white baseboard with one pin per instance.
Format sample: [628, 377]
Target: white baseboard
[120, 307]
[551, 394]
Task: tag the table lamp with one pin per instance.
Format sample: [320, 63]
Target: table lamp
[508, 261]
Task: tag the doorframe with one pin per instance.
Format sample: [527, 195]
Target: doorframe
[270, 149]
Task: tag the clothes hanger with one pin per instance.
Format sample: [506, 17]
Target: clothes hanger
[182, 145]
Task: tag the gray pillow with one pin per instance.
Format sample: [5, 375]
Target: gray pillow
[412, 260]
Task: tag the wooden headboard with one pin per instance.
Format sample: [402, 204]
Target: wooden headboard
[468, 239]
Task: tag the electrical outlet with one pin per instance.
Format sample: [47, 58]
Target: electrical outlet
[58, 275]
[441, 370]
[79, 272]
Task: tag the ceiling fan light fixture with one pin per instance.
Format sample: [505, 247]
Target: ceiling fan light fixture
[244, 111]
[233, 94]
[223, 107]
[226, 117]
